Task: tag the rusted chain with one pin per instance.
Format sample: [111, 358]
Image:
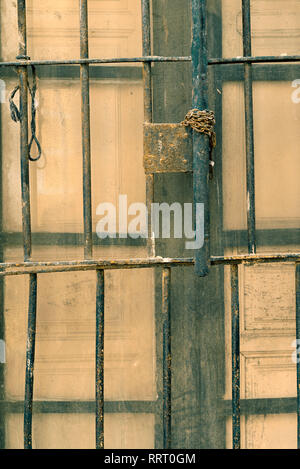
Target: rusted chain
[16, 116]
[203, 122]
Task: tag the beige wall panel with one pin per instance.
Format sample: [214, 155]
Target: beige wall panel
[56, 179]
[55, 431]
[53, 29]
[266, 432]
[65, 349]
[275, 27]
[277, 139]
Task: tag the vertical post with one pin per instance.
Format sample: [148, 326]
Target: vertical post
[26, 222]
[235, 350]
[297, 343]
[30, 352]
[167, 357]
[23, 83]
[248, 96]
[201, 144]
[86, 140]
[100, 360]
[148, 110]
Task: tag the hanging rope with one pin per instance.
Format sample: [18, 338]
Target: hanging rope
[15, 114]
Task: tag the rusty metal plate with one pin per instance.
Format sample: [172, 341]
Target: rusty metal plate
[168, 148]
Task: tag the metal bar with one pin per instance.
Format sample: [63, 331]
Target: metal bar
[23, 79]
[251, 59]
[201, 144]
[154, 58]
[235, 344]
[86, 139]
[11, 268]
[99, 61]
[148, 110]
[167, 357]
[248, 96]
[30, 352]
[146, 43]
[26, 221]
[298, 342]
[100, 360]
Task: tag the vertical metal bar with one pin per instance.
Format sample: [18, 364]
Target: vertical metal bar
[30, 352]
[26, 221]
[148, 110]
[235, 344]
[100, 360]
[23, 80]
[248, 94]
[86, 140]
[297, 343]
[201, 144]
[146, 43]
[167, 357]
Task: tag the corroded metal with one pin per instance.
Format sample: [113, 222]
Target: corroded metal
[167, 357]
[148, 110]
[249, 130]
[297, 288]
[168, 148]
[12, 268]
[86, 139]
[235, 350]
[201, 144]
[30, 352]
[95, 61]
[100, 360]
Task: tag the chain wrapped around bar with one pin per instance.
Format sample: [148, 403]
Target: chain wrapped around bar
[15, 114]
[203, 122]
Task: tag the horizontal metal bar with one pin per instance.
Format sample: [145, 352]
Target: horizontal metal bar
[69, 266]
[113, 60]
[155, 58]
[258, 59]
[79, 407]
[256, 258]
[11, 268]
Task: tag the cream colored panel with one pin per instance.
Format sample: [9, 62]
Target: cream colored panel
[277, 139]
[266, 432]
[267, 331]
[56, 179]
[269, 374]
[65, 348]
[268, 298]
[70, 431]
[275, 27]
[53, 29]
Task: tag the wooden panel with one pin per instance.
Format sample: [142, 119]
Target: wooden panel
[277, 139]
[275, 27]
[65, 349]
[78, 431]
[53, 28]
